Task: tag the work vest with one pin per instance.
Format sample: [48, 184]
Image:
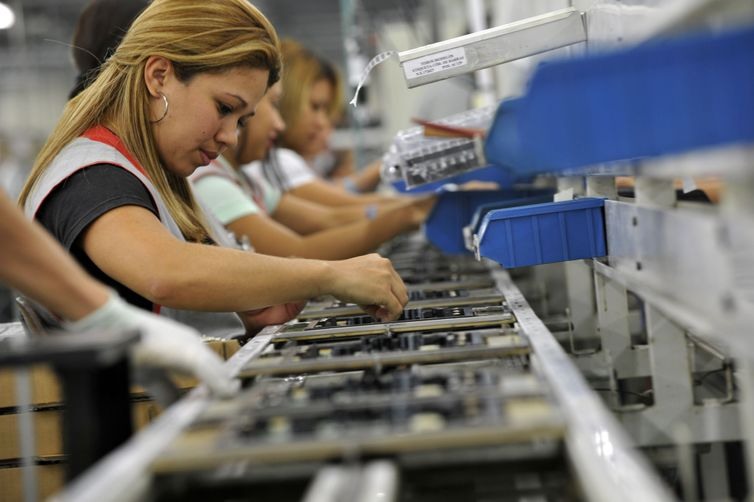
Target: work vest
[220, 167]
[99, 145]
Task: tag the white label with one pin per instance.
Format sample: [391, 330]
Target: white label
[442, 61]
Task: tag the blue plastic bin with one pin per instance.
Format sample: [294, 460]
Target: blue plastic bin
[454, 210]
[482, 210]
[657, 98]
[472, 228]
[544, 233]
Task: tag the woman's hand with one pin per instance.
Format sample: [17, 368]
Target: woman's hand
[255, 320]
[369, 281]
[421, 207]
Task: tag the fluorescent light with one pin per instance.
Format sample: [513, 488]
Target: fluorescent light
[7, 18]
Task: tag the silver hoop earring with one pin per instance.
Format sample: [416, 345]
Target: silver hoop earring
[164, 114]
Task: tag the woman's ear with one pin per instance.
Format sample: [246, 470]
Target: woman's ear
[156, 72]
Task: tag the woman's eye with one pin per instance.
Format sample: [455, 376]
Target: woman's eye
[224, 109]
[244, 120]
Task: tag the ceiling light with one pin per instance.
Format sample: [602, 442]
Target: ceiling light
[7, 18]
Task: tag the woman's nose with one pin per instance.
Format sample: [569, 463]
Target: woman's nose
[322, 119]
[228, 133]
[277, 122]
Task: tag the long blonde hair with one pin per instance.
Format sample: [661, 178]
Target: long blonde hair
[303, 69]
[196, 36]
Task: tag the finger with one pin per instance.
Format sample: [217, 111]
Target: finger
[372, 310]
[391, 309]
[398, 287]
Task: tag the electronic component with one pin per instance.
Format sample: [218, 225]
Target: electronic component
[428, 319]
[418, 299]
[352, 414]
[386, 350]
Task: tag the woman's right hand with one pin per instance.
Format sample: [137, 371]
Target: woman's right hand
[371, 282]
[421, 207]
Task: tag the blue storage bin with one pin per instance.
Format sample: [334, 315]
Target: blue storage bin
[472, 228]
[544, 233]
[453, 211]
[661, 97]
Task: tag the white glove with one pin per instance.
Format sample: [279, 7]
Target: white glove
[164, 343]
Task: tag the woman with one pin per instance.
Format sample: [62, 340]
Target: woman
[310, 105]
[110, 183]
[255, 210]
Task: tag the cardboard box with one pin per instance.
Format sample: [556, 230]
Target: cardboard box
[144, 412]
[50, 479]
[45, 389]
[48, 430]
[231, 347]
[48, 438]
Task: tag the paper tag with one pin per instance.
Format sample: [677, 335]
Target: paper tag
[453, 58]
[379, 58]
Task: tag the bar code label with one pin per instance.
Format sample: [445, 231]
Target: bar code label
[442, 61]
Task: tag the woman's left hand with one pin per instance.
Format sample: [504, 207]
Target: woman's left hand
[256, 319]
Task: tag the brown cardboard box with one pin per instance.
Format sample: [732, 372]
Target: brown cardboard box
[231, 347]
[48, 424]
[48, 439]
[217, 345]
[50, 479]
[44, 387]
[144, 412]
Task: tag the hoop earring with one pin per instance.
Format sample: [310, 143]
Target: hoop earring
[164, 114]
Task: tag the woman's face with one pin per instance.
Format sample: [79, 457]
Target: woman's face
[204, 115]
[261, 132]
[305, 135]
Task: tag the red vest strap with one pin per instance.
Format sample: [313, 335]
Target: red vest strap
[104, 135]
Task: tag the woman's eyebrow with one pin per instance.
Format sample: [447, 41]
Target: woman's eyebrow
[239, 98]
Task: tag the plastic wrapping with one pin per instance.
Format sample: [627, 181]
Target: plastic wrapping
[418, 159]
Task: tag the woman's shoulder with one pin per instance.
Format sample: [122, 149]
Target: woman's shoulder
[290, 158]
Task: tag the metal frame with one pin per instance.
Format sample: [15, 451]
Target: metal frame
[493, 46]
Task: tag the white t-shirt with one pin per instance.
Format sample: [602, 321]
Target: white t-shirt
[292, 170]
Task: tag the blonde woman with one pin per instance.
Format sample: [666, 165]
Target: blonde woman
[110, 183]
[311, 103]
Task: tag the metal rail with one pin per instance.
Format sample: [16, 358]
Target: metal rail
[603, 456]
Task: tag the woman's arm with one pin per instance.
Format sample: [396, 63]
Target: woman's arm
[33, 262]
[130, 245]
[362, 181]
[328, 194]
[269, 237]
[306, 217]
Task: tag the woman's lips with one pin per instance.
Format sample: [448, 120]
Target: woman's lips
[207, 157]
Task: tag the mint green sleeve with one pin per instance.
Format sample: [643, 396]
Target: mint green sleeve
[225, 199]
